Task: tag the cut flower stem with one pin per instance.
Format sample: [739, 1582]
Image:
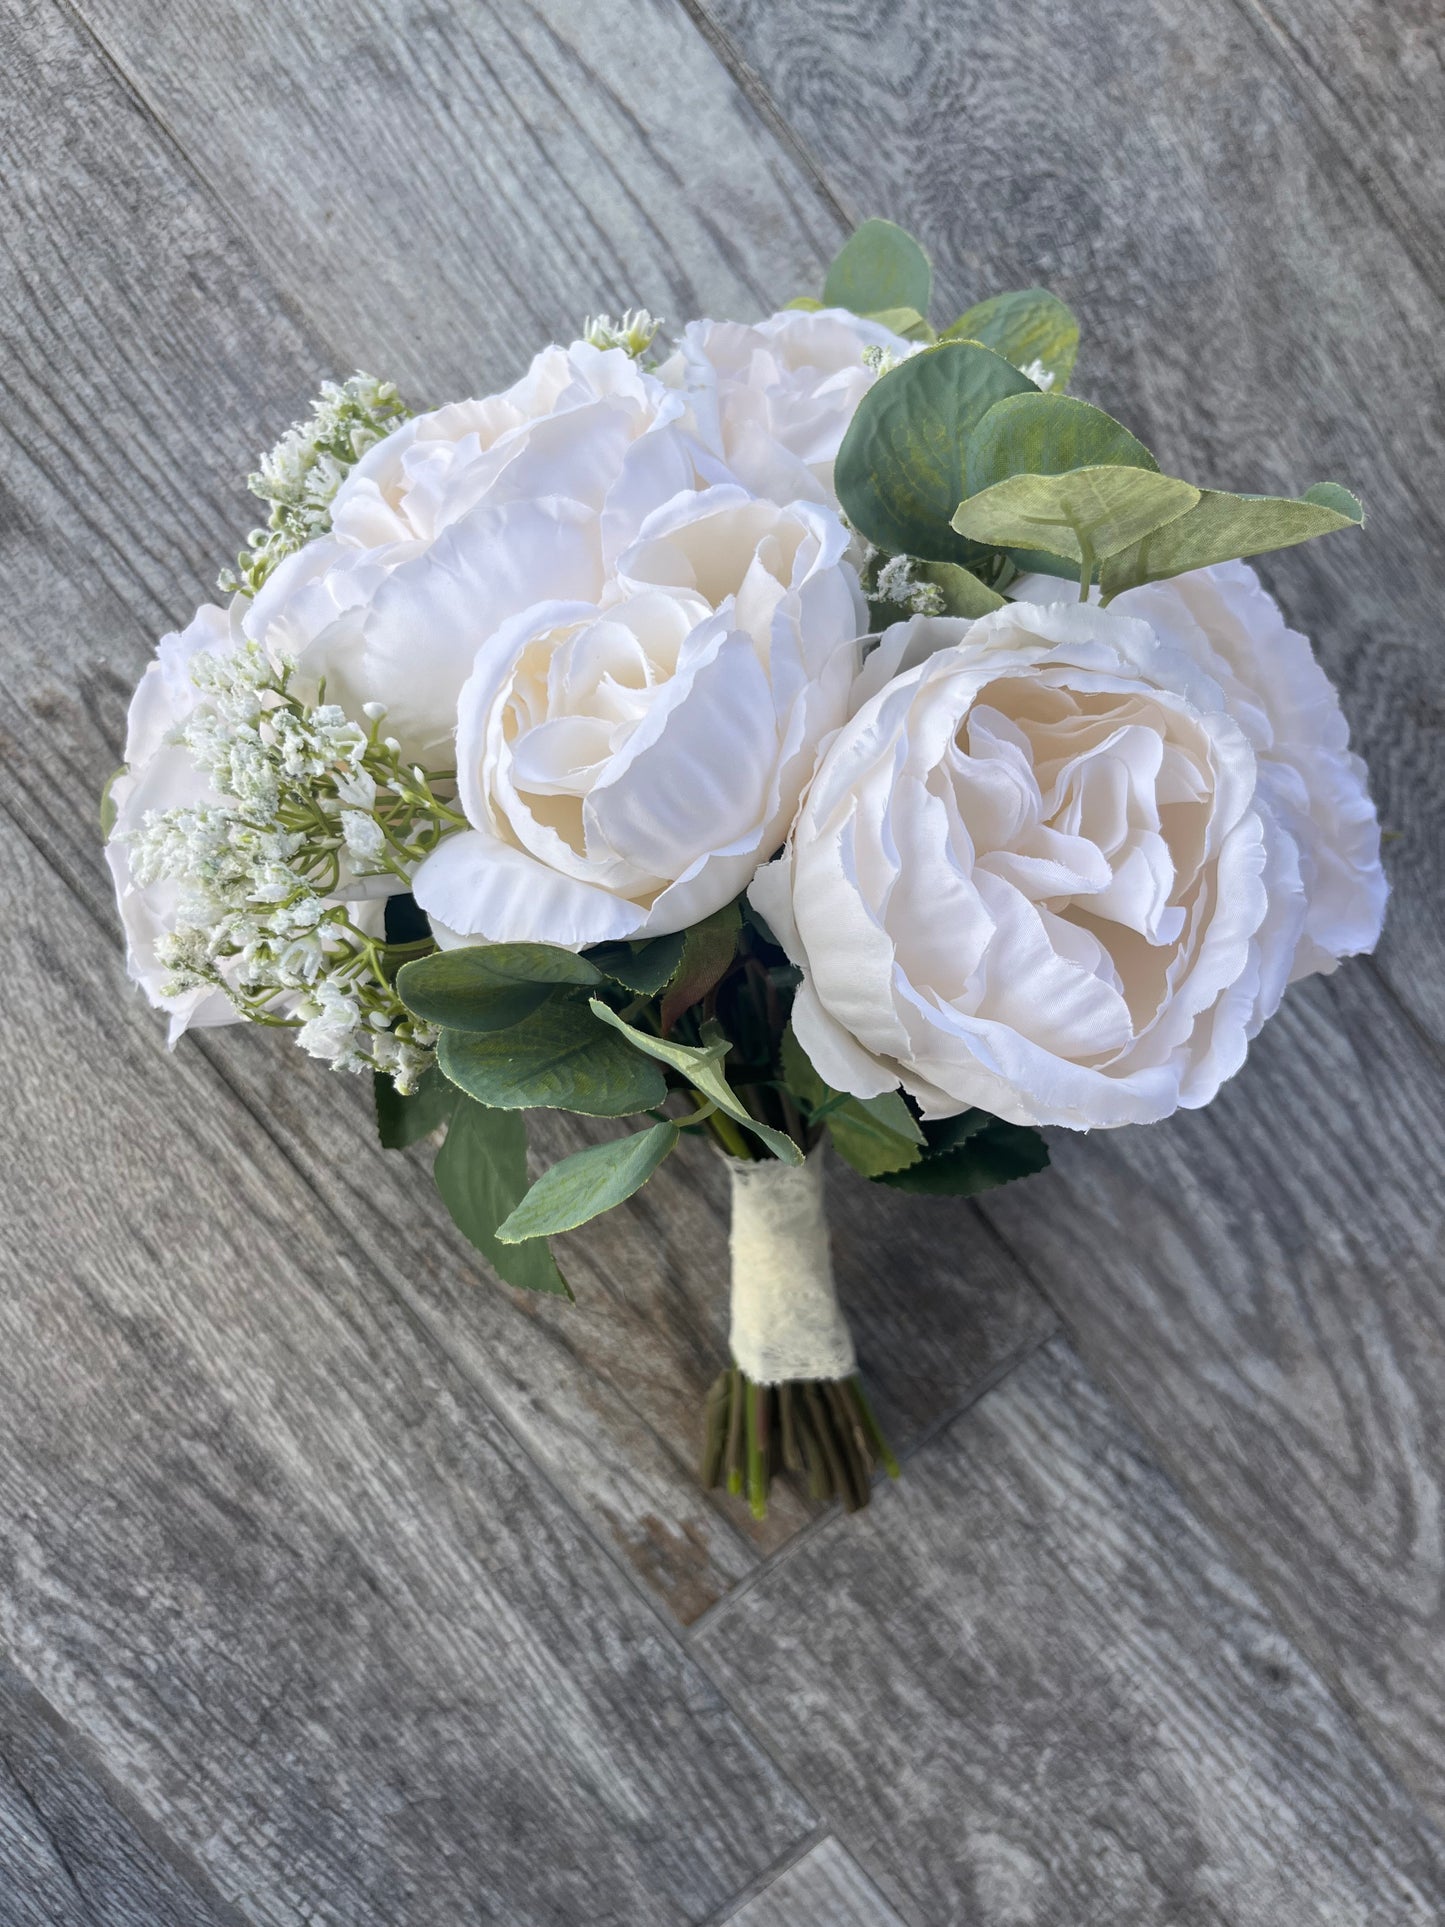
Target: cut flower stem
[820, 1430]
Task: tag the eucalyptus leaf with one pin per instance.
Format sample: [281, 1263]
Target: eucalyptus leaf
[481, 1173]
[709, 949]
[487, 987]
[1223, 527]
[1026, 326]
[907, 322]
[881, 266]
[645, 968]
[987, 1156]
[588, 1183]
[1083, 516]
[401, 1121]
[701, 1065]
[1048, 435]
[556, 1058]
[900, 472]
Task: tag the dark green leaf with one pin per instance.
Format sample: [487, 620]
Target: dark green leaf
[1083, 516]
[1048, 435]
[588, 1183]
[986, 1157]
[875, 1134]
[702, 1067]
[1222, 527]
[488, 987]
[881, 266]
[900, 472]
[481, 1173]
[557, 1058]
[709, 948]
[404, 920]
[645, 968]
[406, 1120]
[1026, 326]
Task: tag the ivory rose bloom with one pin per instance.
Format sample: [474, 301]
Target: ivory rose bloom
[1064, 863]
[464, 517]
[774, 400]
[626, 763]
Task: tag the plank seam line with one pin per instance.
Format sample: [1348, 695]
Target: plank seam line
[1276, 38]
[785, 1862]
[754, 90]
[832, 1514]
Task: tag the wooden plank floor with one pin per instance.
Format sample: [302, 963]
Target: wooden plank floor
[339, 1585]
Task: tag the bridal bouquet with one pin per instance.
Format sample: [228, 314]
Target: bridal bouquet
[818, 729]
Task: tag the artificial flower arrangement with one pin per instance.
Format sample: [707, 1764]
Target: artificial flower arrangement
[822, 729]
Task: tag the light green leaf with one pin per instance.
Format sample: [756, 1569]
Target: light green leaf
[1222, 527]
[881, 266]
[900, 471]
[808, 303]
[702, 1067]
[487, 987]
[907, 322]
[1048, 435]
[963, 593]
[407, 1120]
[1083, 516]
[986, 1155]
[873, 1134]
[1027, 326]
[481, 1173]
[645, 968]
[709, 949]
[556, 1058]
[588, 1183]
[107, 801]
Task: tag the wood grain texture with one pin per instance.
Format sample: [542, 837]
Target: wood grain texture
[153, 298]
[1261, 1283]
[69, 1855]
[268, 1552]
[1246, 305]
[826, 1888]
[1082, 1715]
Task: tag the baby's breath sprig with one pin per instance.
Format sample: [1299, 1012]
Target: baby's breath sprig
[277, 878]
[302, 473]
[635, 332]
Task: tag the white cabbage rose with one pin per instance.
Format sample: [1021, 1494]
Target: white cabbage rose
[1063, 864]
[466, 516]
[773, 400]
[160, 775]
[627, 764]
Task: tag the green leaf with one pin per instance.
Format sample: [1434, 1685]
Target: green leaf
[645, 968]
[1222, 527]
[107, 801]
[873, 1134]
[481, 1173]
[406, 1120]
[987, 1156]
[588, 1183]
[488, 987]
[900, 472]
[907, 322]
[810, 304]
[963, 593]
[1025, 326]
[1048, 435]
[554, 1059]
[702, 1067]
[881, 266]
[710, 947]
[1083, 516]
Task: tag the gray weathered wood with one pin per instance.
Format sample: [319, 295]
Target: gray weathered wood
[134, 389]
[1028, 1687]
[69, 1855]
[268, 1552]
[1261, 1282]
[826, 1888]
[1245, 306]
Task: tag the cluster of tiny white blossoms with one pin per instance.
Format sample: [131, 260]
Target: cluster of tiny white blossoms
[310, 804]
[302, 473]
[897, 581]
[635, 332]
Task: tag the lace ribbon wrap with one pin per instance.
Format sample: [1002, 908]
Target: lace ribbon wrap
[786, 1322]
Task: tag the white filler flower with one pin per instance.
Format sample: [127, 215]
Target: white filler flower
[626, 766]
[1063, 866]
